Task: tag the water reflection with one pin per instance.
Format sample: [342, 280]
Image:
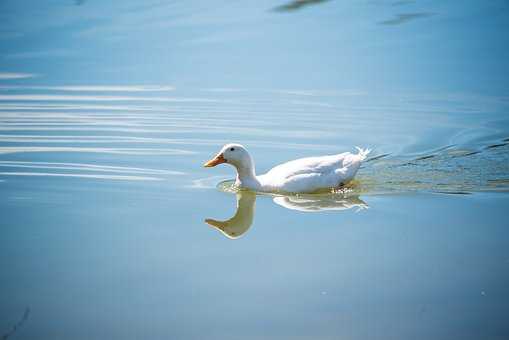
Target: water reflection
[315, 203]
[406, 17]
[403, 2]
[297, 4]
[239, 224]
[18, 325]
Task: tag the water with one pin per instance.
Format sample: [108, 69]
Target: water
[112, 229]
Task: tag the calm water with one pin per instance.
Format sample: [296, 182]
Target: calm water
[112, 229]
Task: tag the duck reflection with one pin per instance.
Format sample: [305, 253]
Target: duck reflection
[315, 203]
[238, 225]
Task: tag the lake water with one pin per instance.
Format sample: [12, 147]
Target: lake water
[112, 229]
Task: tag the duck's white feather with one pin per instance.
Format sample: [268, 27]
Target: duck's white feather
[313, 173]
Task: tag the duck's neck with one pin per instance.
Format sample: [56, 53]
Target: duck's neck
[246, 175]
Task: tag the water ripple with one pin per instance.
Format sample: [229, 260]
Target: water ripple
[92, 88]
[106, 177]
[78, 98]
[124, 151]
[87, 167]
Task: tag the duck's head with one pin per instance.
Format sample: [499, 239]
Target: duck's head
[234, 154]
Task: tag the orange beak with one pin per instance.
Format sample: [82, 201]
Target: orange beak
[215, 161]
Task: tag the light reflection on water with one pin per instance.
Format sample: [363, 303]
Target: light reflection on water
[76, 130]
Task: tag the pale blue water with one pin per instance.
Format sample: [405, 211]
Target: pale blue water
[112, 229]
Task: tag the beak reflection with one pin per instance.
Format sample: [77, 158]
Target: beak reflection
[237, 226]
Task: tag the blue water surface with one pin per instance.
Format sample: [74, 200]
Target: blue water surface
[112, 229]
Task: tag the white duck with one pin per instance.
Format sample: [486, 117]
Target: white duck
[304, 175]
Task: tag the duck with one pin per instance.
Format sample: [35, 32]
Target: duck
[303, 175]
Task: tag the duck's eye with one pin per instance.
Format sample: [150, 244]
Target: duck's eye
[232, 149]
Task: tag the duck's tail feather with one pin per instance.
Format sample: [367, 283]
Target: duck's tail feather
[363, 153]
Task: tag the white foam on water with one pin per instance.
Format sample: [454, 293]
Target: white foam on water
[206, 183]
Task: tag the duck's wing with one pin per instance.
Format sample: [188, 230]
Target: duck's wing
[309, 165]
[312, 173]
